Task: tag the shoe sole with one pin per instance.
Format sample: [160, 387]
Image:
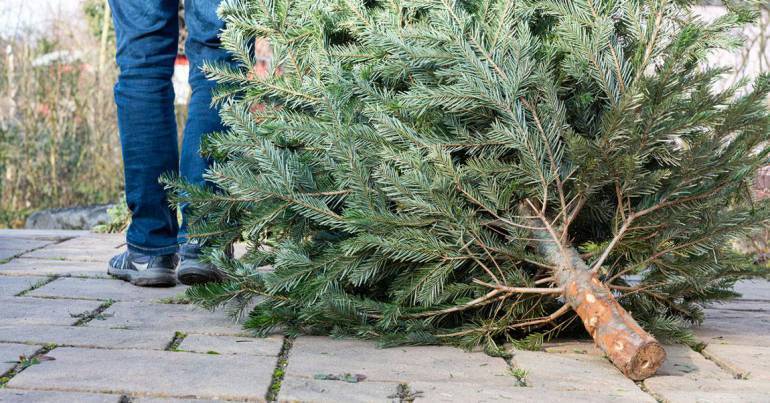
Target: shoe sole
[142, 279]
[194, 275]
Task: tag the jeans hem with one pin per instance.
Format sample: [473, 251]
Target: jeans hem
[166, 250]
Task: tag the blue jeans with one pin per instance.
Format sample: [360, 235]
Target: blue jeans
[147, 32]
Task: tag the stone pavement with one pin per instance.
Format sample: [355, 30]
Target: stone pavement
[69, 333]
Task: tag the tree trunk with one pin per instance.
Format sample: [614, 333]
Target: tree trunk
[634, 351]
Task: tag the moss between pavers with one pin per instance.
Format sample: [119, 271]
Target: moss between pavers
[280, 370]
[25, 362]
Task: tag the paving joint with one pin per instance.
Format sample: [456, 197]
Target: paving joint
[64, 297]
[24, 363]
[724, 366]
[405, 394]
[64, 275]
[173, 345]
[37, 285]
[128, 397]
[700, 348]
[86, 317]
[280, 370]
[25, 251]
[517, 372]
[646, 390]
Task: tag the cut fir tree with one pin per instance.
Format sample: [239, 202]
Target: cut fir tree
[471, 172]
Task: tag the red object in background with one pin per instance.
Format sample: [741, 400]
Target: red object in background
[181, 60]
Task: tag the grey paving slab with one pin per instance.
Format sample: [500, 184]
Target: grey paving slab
[581, 372]
[169, 400]
[310, 356]
[46, 267]
[750, 362]
[12, 285]
[10, 353]
[22, 311]
[723, 326]
[100, 253]
[40, 396]
[6, 254]
[746, 305]
[677, 389]
[755, 289]
[103, 289]
[22, 244]
[80, 336]
[458, 391]
[294, 389]
[573, 347]
[183, 318]
[149, 373]
[94, 239]
[201, 343]
[683, 361]
[43, 234]
[91, 248]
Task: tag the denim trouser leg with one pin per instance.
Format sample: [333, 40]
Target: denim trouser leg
[147, 33]
[203, 44]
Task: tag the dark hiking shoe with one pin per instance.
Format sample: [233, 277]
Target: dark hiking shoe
[143, 270]
[193, 270]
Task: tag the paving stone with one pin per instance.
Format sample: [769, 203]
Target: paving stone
[100, 253]
[683, 361]
[94, 239]
[744, 305]
[677, 389]
[103, 289]
[12, 285]
[20, 311]
[294, 389]
[169, 400]
[44, 234]
[10, 353]
[749, 362]
[22, 244]
[92, 248]
[573, 347]
[6, 254]
[735, 328]
[149, 373]
[458, 391]
[39, 396]
[81, 336]
[755, 289]
[201, 343]
[570, 372]
[44, 267]
[183, 318]
[322, 355]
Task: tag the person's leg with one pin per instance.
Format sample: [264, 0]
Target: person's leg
[147, 33]
[203, 45]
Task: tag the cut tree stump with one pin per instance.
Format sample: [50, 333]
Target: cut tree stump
[630, 348]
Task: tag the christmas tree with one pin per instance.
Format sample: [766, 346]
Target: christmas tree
[471, 172]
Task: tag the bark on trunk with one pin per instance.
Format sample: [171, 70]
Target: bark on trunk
[634, 351]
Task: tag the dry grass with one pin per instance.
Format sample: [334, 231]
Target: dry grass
[58, 137]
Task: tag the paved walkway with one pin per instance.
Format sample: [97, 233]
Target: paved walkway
[69, 333]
